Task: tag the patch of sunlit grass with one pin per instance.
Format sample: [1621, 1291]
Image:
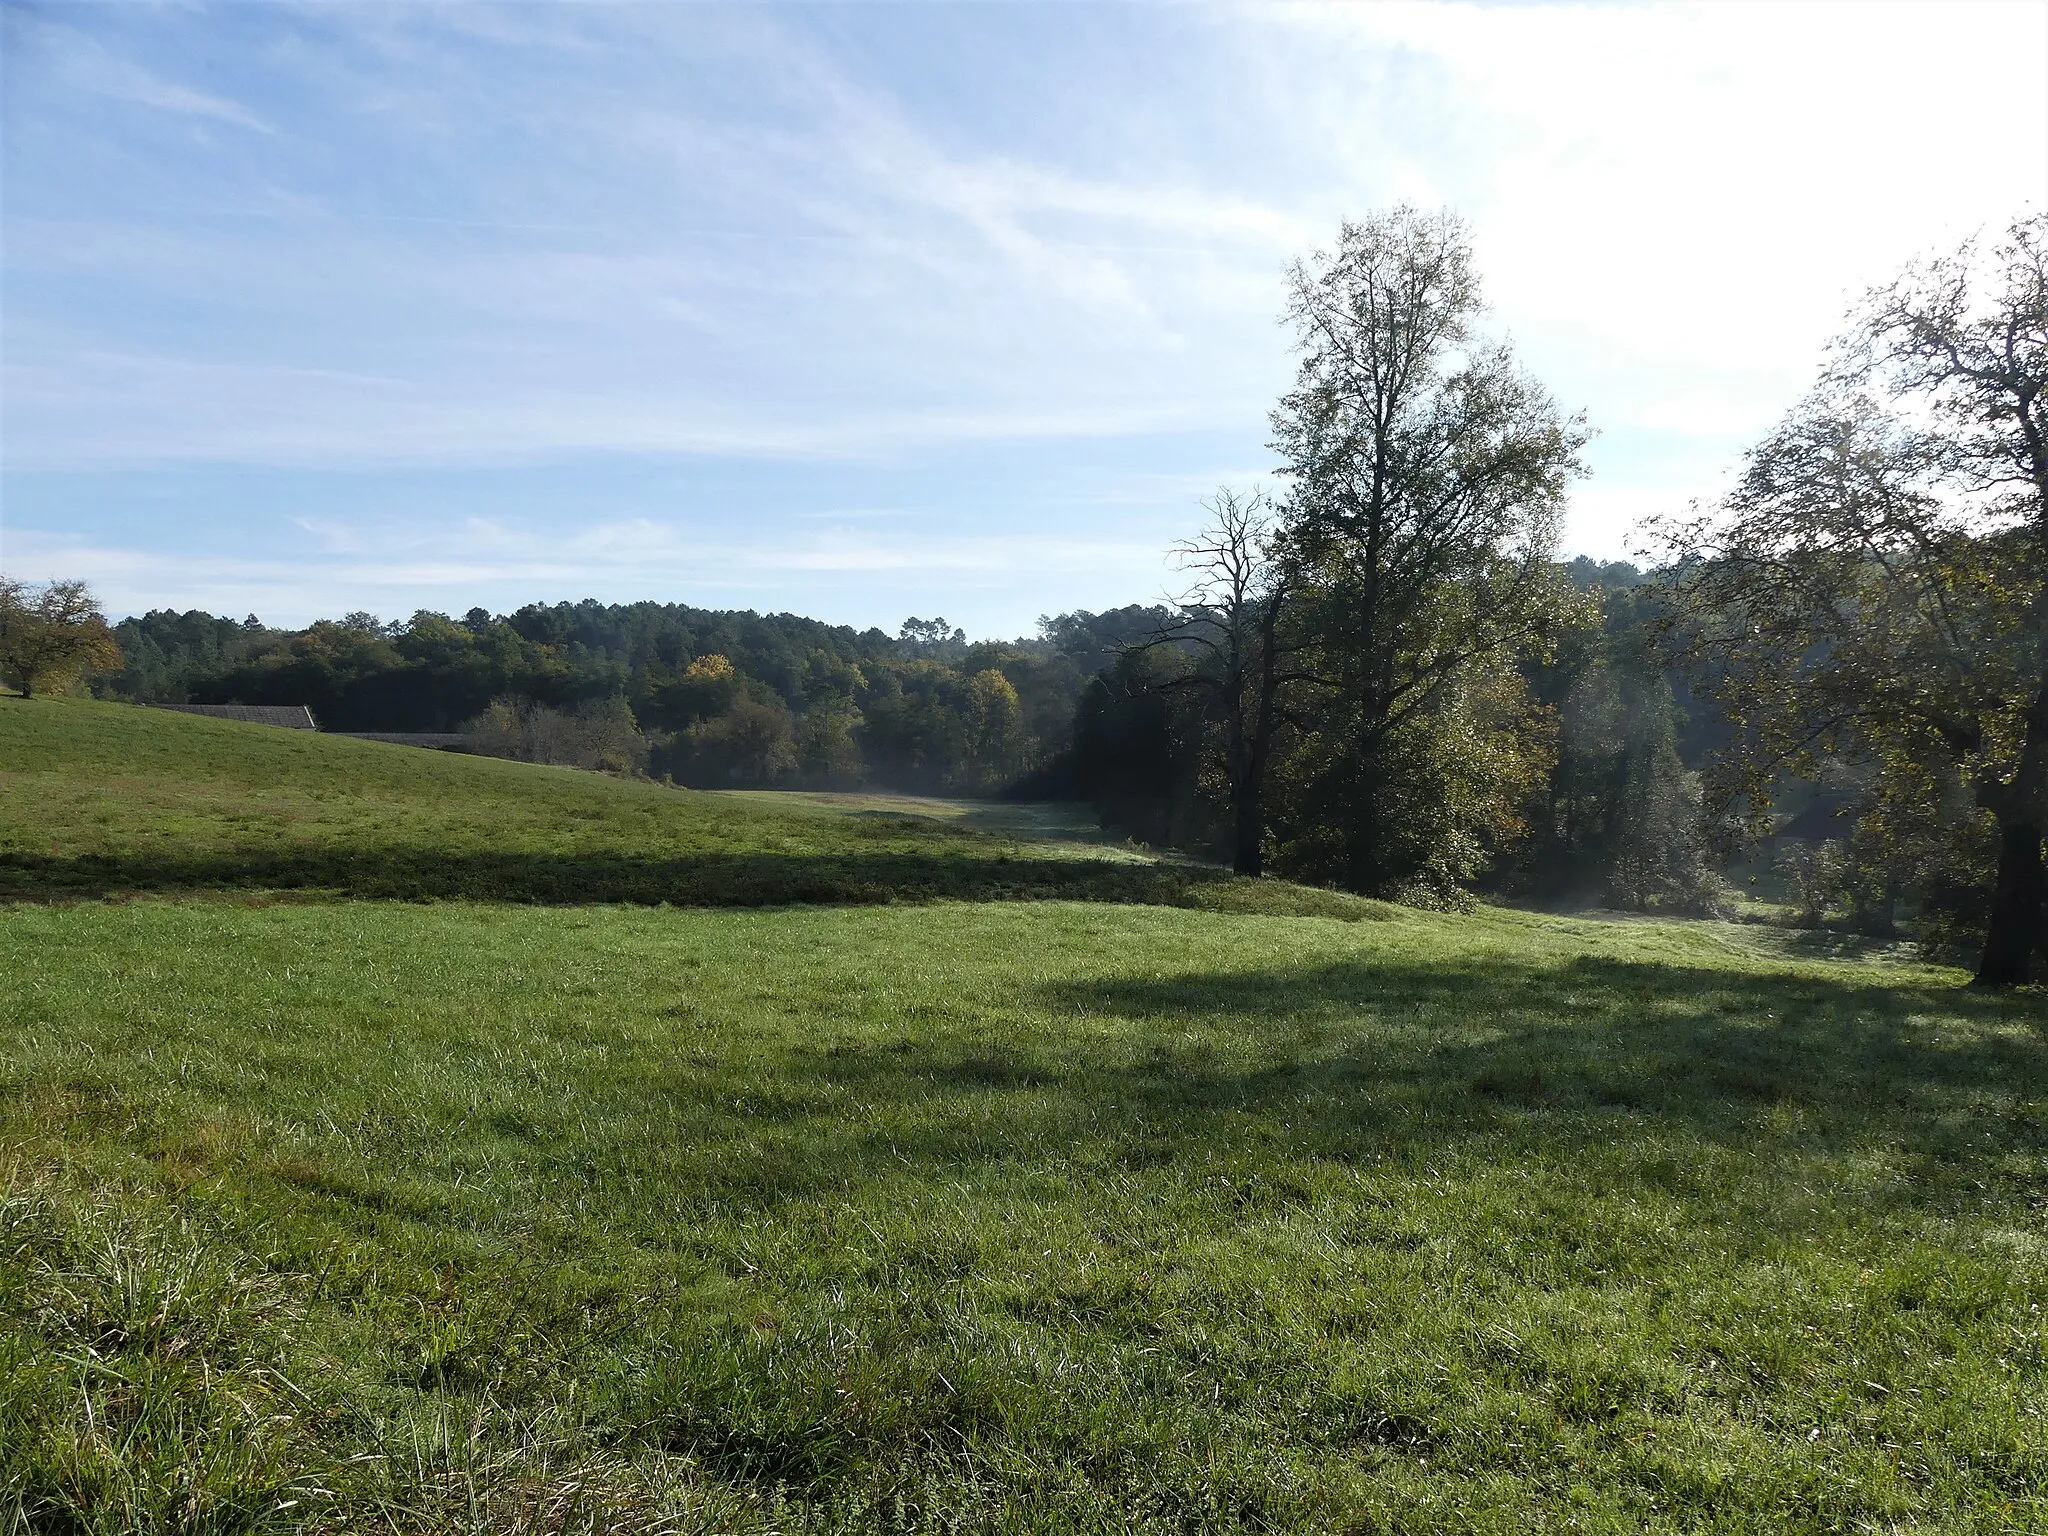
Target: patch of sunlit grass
[1061, 1217]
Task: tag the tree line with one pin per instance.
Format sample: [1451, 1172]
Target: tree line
[709, 699]
[1118, 708]
[1381, 676]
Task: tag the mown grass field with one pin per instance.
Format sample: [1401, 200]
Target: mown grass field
[907, 1214]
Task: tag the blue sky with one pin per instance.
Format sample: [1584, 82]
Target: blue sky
[870, 310]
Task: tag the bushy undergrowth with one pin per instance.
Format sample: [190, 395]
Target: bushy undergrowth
[598, 735]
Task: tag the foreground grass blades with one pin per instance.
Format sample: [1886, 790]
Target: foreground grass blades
[1050, 1218]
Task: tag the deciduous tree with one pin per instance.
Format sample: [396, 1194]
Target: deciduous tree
[1236, 618]
[52, 634]
[995, 728]
[1428, 471]
[1877, 585]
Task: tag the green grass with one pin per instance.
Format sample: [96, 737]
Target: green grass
[1068, 824]
[106, 799]
[966, 1216]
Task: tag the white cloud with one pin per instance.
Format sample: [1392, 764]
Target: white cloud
[405, 556]
[495, 235]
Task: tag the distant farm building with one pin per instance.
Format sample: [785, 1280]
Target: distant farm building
[292, 717]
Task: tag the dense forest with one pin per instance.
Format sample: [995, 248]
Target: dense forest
[715, 699]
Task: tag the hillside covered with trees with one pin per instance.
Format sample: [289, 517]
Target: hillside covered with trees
[721, 699]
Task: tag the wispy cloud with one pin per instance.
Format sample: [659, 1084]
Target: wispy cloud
[171, 409]
[359, 240]
[89, 68]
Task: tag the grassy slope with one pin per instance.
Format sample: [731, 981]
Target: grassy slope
[956, 1216]
[108, 798]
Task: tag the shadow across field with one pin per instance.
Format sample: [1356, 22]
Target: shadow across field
[1497, 1137]
[709, 879]
[1367, 1059]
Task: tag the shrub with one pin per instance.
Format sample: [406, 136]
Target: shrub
[600, 734]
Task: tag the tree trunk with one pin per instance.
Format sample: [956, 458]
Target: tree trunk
[2016, 901]
[2015, 928]
[1247, 855]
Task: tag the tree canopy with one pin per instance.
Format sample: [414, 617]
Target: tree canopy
[52, 635]
[1876, 587]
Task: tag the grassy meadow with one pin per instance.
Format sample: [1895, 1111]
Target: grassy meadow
[108, 799]
[681, 1162]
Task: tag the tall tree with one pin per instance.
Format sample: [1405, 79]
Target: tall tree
[1972, 346]
[1428, 476]
[1878, 582]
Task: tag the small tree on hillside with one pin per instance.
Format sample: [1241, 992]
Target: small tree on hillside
[51, 635]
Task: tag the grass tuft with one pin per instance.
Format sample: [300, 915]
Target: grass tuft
[145, 1378]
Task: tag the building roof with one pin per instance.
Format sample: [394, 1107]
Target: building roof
[293, 717]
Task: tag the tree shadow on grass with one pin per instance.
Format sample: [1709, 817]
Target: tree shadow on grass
[712, 879]
[1367, 1058]
[708, 879]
